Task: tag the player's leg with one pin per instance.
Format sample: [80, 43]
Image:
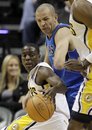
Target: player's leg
[21, 123]
[90, 126]
[58, 121]
[76, 125]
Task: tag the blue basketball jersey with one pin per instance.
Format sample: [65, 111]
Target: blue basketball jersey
[71, 79]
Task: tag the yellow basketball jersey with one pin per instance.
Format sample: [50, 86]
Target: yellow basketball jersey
[82, 32]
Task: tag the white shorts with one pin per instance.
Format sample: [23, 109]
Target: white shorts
[57, 122]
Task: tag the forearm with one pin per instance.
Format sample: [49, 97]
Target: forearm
[61, 88]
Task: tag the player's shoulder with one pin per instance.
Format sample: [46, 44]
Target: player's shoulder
[44, 64]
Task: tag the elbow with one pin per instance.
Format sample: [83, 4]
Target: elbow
[58, 65]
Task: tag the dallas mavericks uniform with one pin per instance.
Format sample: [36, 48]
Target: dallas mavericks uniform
[58, 121]
[71, 79]
[82, 32]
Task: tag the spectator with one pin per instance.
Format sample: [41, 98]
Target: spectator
[28, 25]
[12, 86]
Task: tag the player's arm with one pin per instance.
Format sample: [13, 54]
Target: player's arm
[82, 12]
[62, 45]
[81, 48]
[77, 65]
[57, 86]
[65, 41]
[46, 58]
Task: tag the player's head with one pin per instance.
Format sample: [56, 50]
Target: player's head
[46, 18]
[30, 56]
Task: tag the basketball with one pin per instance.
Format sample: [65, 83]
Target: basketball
[40, 108]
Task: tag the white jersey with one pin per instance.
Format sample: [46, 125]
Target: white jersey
[59, 120]
[80, 29]
[60, 98]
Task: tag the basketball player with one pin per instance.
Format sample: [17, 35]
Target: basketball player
[60, 44]
[40, 75]
[51, 27]
[81, 20]
[82, 109]
[82, 11]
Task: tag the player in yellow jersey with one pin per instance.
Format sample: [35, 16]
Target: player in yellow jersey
[81, 20]
[81, 11]
[81, 117]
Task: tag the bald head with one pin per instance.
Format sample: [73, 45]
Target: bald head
[46, 6]
[46, 18]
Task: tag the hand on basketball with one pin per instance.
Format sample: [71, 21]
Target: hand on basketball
[50, 93]
[75, 65]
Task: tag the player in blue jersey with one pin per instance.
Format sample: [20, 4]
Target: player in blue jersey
[60, 44]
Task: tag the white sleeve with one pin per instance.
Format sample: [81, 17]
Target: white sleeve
[89, 58]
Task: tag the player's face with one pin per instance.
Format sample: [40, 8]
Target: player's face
[30, 57]
[46, 21]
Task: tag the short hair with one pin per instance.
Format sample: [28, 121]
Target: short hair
[47, 5]
[33, 45]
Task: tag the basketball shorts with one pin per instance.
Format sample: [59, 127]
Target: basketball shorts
[21, 123]
[57, 121]
[82, 108]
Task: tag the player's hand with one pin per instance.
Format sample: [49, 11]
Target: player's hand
[75, 65]
[24, 100]
[50, 93]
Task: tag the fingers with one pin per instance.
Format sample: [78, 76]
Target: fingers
[74, 65]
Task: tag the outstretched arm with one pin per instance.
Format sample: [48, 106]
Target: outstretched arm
[78, 65]
[65, 41]
[47, 74]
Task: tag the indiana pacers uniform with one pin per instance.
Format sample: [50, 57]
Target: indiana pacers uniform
[83, 103]
[58, 121]
[82, 108]
[82, 32]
